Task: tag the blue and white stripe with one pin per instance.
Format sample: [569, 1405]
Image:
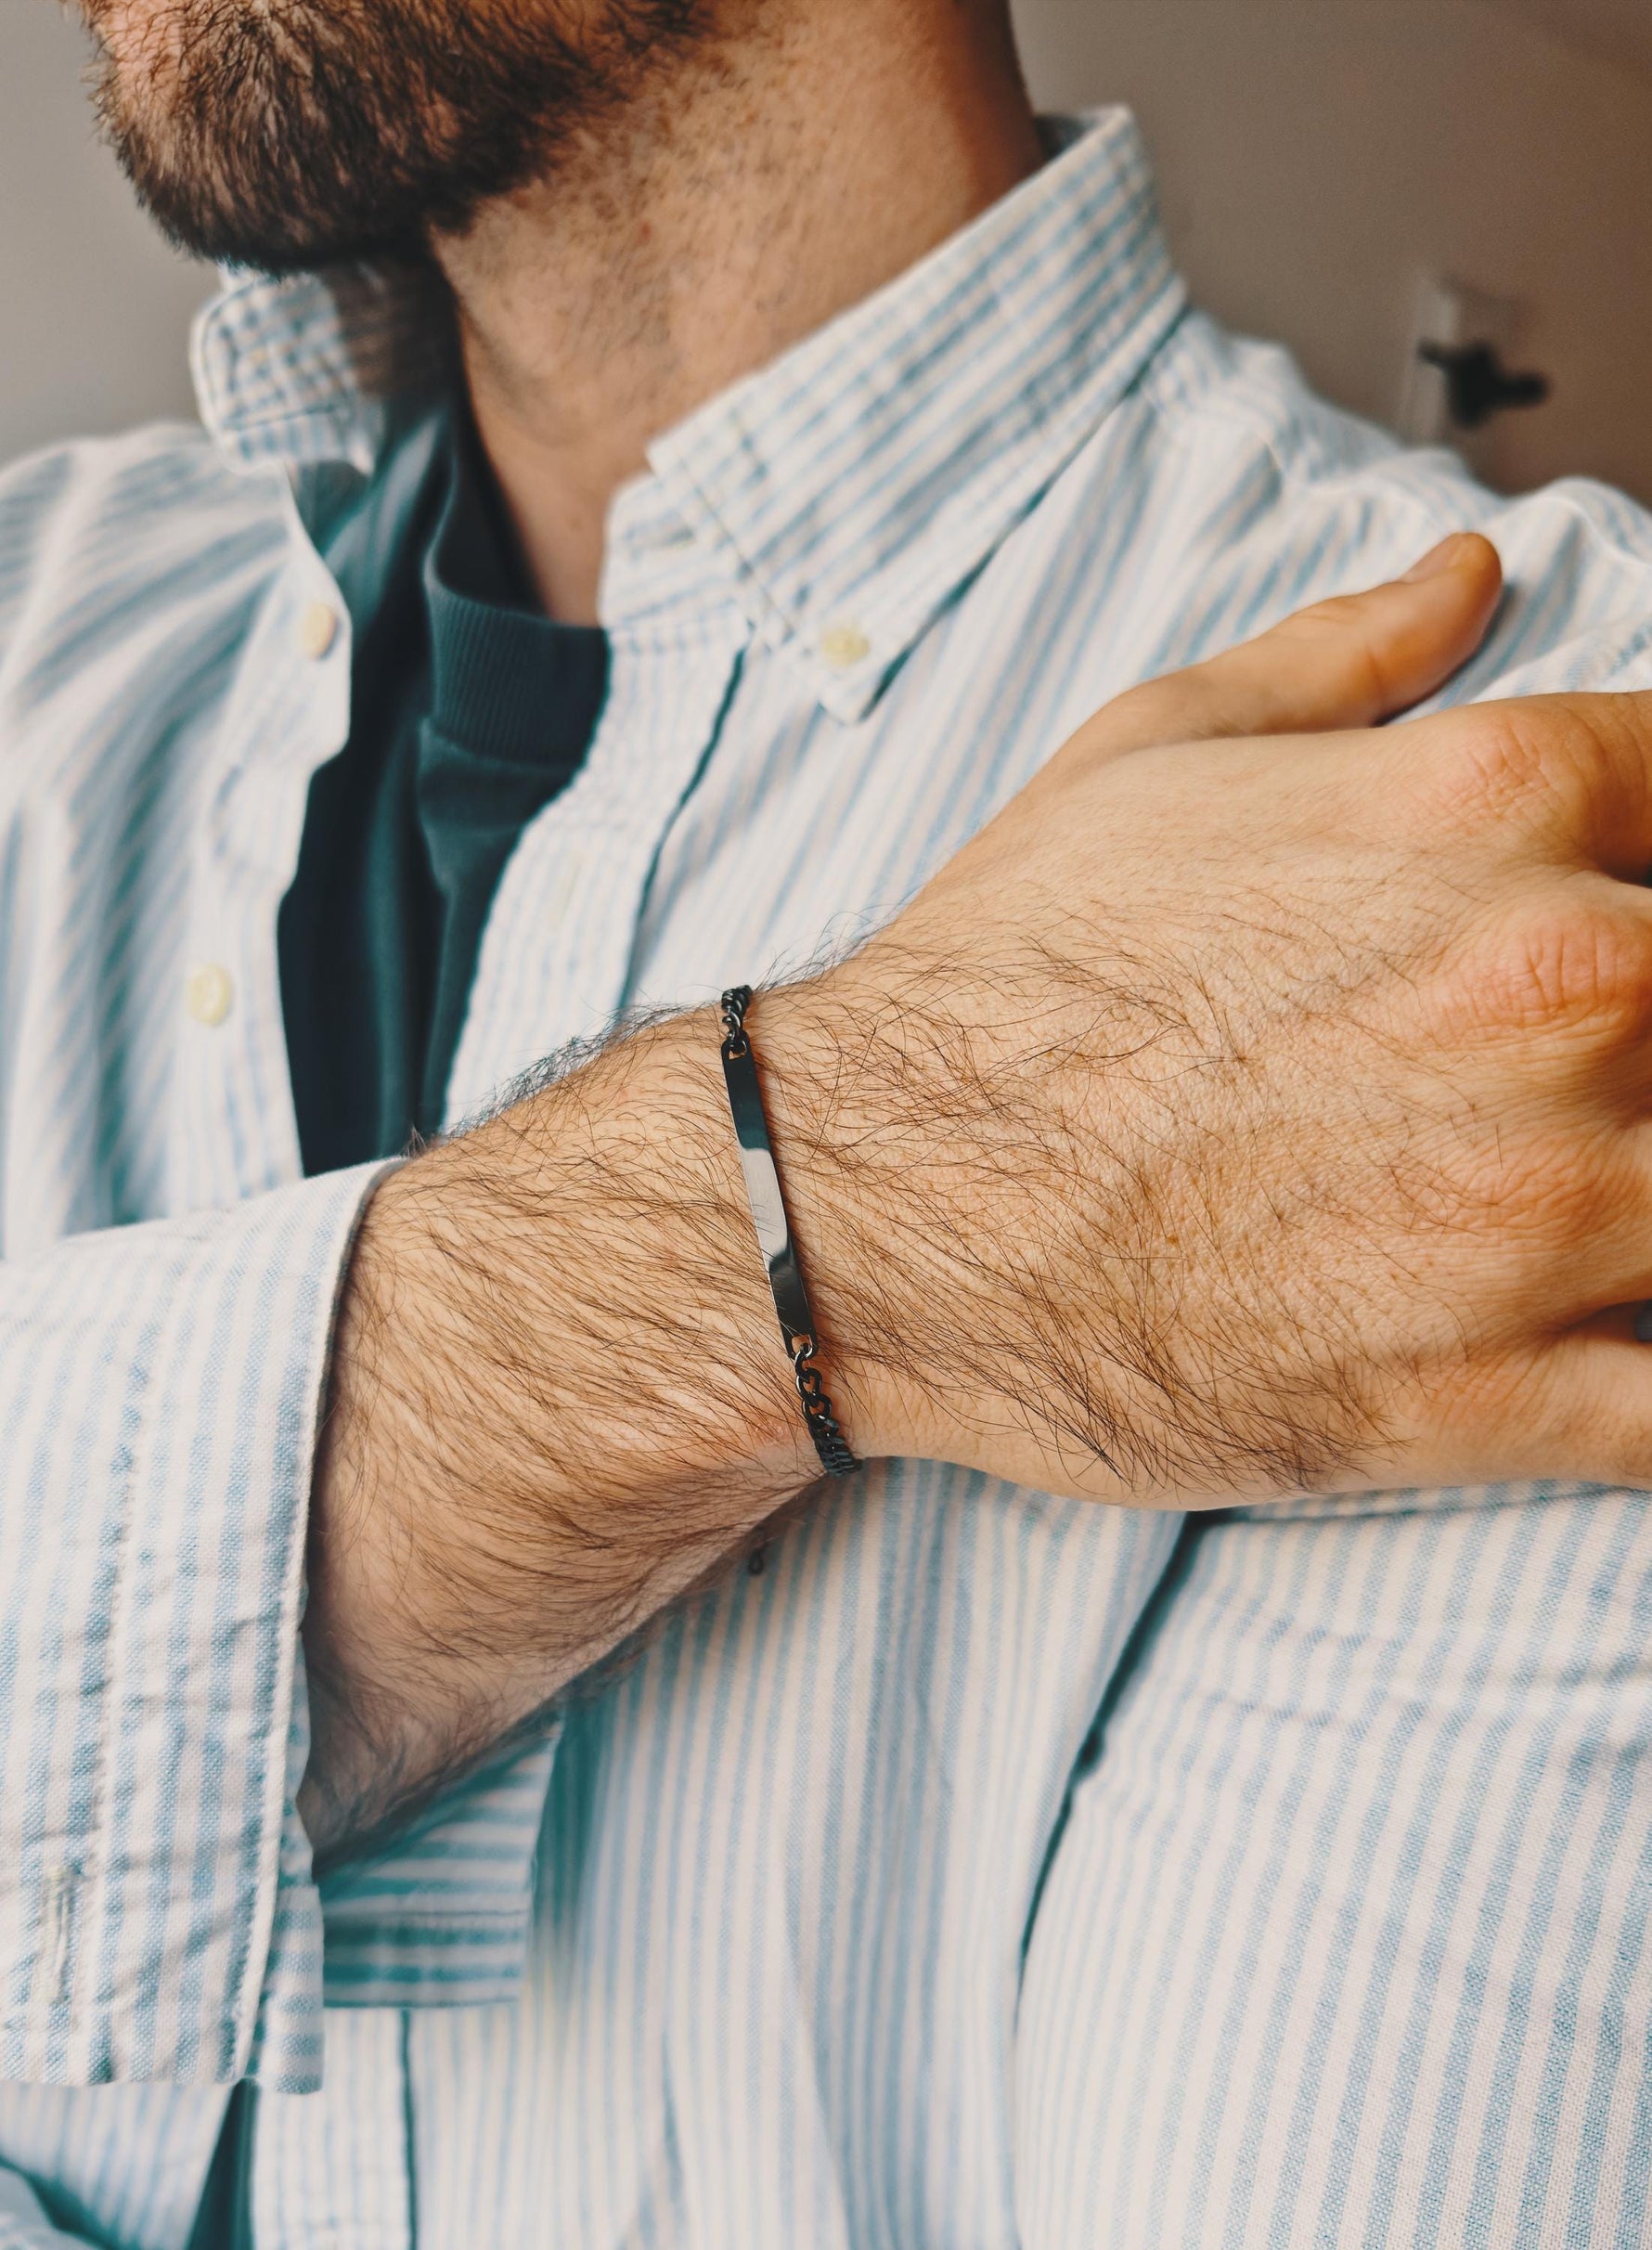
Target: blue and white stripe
[992, 1869]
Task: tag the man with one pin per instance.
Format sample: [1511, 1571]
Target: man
[1250, 1110]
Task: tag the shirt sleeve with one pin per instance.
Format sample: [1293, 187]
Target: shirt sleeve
[442, 1917]
[160, 1394]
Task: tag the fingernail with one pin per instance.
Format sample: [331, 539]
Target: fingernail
[1437, 559]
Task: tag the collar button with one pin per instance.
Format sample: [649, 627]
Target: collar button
[209, 993]
[318, 629]
[844, 645]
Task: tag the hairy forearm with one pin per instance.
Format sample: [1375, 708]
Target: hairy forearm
[1226, 1120]
[560, 1397]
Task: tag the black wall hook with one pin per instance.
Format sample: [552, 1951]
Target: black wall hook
[1478, 385]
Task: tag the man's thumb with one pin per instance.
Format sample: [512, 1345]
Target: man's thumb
[1349, 661]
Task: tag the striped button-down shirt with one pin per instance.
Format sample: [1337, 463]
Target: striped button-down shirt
[993, 1869]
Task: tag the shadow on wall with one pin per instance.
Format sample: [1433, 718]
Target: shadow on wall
[1319, 163]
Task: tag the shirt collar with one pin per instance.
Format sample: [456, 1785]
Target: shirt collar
[846, 492]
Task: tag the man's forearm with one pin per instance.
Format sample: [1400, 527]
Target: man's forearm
[1226, 1120]
[560, 1395]
[560, 1398]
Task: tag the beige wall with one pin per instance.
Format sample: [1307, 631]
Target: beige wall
[1619, 29]
[1317, 156]
[93, 305]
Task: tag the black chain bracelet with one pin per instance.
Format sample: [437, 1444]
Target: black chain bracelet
[774, 1234]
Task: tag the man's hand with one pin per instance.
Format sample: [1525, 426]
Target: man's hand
[1249, 1108]
[1263, 1115]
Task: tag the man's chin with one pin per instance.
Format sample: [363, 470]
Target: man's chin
[235, 186]
[288, 133]
[281, 135]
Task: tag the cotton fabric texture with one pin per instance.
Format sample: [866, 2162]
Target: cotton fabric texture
[470, 710]
[993, 1870]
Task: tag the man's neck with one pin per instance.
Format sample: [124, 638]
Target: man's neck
[777, 177]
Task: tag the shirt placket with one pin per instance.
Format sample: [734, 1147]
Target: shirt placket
[234, 1131]
[558, 954]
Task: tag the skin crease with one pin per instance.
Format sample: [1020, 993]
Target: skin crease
[1332, 1177]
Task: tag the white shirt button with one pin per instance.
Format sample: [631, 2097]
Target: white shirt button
[318, 629]
[209, 993]
[844, 645]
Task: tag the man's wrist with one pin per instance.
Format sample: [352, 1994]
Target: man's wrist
[924, 1155]
[846, 1136]
[560, 1397]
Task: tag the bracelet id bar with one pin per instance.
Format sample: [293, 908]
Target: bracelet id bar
[774, 1234]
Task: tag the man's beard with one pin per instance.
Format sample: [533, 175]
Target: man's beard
[287, 133]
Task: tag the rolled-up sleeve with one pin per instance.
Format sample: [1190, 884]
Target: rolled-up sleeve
[161, 1389]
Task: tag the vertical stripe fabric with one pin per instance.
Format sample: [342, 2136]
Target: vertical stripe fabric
[1370, 1838]
[989, 1870]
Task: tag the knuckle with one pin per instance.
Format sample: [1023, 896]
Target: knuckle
[1530, 1408]
[1540, 758]
[1524, 1209]
[1566, 967]
[1340, 614]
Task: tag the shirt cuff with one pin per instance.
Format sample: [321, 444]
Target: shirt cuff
[159, 1393]
[441, 1918]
